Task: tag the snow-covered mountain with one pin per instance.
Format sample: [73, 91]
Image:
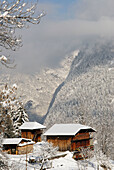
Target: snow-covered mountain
[88, 88]
[36, 90]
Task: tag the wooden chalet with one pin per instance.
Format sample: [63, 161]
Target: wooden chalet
[70, 136]
[32, 130]
[17, 145]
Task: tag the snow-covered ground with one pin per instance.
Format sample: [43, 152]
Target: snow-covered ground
[63, 163]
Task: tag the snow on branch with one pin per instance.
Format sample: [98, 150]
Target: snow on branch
[13, 15]
[7, 61]
[7, 97]
[18, 13]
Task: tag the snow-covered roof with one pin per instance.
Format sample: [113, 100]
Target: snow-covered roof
[26, 143]
[14, 141]
[32, 126]
[67, 129]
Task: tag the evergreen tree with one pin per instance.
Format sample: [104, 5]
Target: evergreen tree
[8, 103]
[11, 110]
[9, 128]
[19, 117]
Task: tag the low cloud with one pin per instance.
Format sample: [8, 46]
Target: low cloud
[93, 10]
[47, 43]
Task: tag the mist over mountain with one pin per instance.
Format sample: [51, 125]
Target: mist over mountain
[88, 88]
[36, 90]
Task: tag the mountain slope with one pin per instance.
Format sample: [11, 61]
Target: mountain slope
[36, 90]
[88, 89]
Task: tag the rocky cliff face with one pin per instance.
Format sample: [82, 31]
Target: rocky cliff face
[88, 89]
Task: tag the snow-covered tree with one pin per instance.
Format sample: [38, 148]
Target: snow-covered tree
[45, 152]
[3, 161]
[105, 124]
[12, 111]
[15, 15]
[7, 101]
[9, 128]
[3, 157]
[19, 117]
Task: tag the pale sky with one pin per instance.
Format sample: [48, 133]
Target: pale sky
[67, 26]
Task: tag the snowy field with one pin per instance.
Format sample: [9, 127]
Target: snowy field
[63, 163]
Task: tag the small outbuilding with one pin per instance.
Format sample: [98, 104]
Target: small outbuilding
[32, 130]
[17, 145]
[70, 136]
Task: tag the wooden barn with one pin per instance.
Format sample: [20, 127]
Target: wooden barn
[17, 145]
[32, 130]
[70, 136]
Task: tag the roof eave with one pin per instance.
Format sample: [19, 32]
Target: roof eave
[32, 128]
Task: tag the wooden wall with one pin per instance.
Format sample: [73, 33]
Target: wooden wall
[63, 142]
[81, 136]
[24, 149]
[70, 143]
[10, 149]
[80, 140]
[35, 135]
